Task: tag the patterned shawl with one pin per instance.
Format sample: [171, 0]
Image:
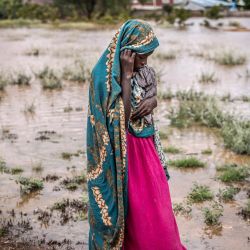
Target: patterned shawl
[106, 138]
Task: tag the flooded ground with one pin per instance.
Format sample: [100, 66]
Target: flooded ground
[48, 140]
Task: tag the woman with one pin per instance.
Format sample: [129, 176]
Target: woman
[129, 200]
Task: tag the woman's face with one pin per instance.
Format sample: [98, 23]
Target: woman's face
[141, 60]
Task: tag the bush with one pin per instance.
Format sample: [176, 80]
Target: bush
[213, 13]
[247, 4]
[200, 193]
[36, 11]
[213, 214]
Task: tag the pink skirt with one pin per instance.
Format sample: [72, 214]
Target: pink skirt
[150, 223]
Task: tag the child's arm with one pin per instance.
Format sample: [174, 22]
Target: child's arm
[145, 107]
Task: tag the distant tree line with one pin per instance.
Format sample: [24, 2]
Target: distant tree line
[62, 9]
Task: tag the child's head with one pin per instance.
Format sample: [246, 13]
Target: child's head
[138, 36]
[141, 60]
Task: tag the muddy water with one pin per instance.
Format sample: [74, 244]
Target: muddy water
[23, 149]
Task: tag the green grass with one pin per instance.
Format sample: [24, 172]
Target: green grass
[3, 167]
[29, 109]
[235, 132]
[58, 24]
[228, 58]
[207, 77]
[21, 79]
[16, 170]
[49, 79]
[207, 151]
[245, 211]
[163, 135]
[171, 150]
[187, 162]
[179, 208]
[232, 173]
[213, 214]
[3, 231]
[228, 193]
[29, 185]
[2, 82]
[166, 95]
[236, 135]
[37, 167]
[68, 109]
[73, 183]
[200, 193]
[77, 72]
[170, 55]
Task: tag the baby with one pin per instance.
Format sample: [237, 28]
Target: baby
[143, 86]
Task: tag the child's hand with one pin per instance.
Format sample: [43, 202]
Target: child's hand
[127, 58]
[145, 107]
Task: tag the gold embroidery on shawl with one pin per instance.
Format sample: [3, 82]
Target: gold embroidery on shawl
[101, 204]
[110, 56]
[123, 136]
[92, 120]
[103, 153]
[148, 38]
[111, 115]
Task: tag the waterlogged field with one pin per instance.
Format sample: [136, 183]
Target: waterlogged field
[203, 113]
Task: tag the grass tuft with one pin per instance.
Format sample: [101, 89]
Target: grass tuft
[200, 193]
[188, 162]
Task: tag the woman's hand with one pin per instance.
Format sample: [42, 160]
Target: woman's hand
[127, 58]
[145, 107]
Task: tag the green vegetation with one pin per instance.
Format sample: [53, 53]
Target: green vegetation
[170, 55]
[233, 172]
[77, 72]
[16, 170]
[213, 214]
[30, 108]
[29, 185]
[2, 165]
[163, 135]
[62, 9]
[228, 58]
[213, 13]
[179, 208]
[207, 77]
[166, 95]
[188, 162]
[68, 109]
[178, 15]
[235, 132]
[228, 193]
[21, 79]
[73, 183]
[68, 156]
[200, 193]
[207, 151]
[245, 211]
[171, 150]
[2, 82]
[49, 79]
[37, 167]
[3, 231]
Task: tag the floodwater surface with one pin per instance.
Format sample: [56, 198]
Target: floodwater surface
[40, 140]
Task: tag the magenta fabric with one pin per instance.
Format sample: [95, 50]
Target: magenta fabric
[150, 223]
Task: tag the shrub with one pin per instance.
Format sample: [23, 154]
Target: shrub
[213, 214]
[190, 162]
[233, 172]
[200, 193]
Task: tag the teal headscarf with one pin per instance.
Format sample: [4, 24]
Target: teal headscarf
[107, 174]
